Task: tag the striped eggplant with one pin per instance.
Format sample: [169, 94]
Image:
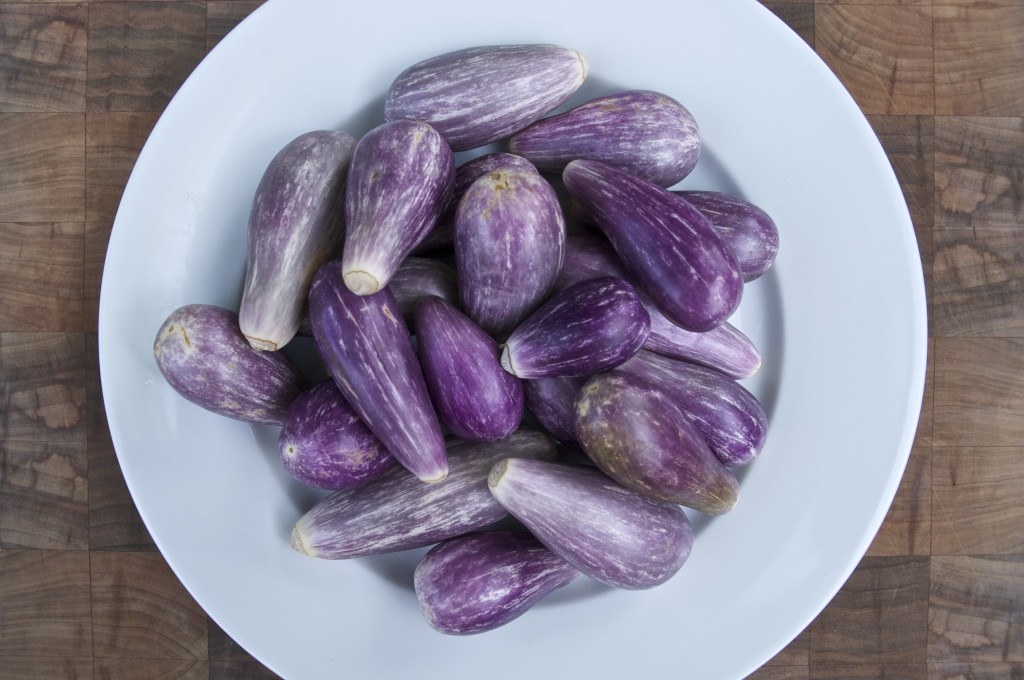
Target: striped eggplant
[634, 431]
[673, 253]
[474, 583]
[203, 355]
[731, 419]
[420, 276]
[473, 395]
[399, 181]
[592, 326]
[366, 346]
[617, 536]
[553, 402]
[324, 444]
[396, 512]
[645, 133]
[749, 231]
[478, 95]
[509, 246]
[295, 225]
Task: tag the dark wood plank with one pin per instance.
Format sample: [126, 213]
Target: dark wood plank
[44, 387]
[869, 671]
[151, 669]
[798, 16]
[228, 661]
[113, 141]
[95, 411]
[907, 526]
[41, 277]
[42, 57]
[114, 522]
[45, 668]
[224, 15]
[97, 237]
[976, 671]
[779, 673]
[42, 167]
[795, 653]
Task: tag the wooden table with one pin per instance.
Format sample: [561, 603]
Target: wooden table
[84, 593]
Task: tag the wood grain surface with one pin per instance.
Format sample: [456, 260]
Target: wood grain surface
[85, 594]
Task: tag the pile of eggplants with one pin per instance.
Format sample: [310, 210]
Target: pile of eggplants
[495, 353]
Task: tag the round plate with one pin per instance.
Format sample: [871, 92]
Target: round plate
[840, 320]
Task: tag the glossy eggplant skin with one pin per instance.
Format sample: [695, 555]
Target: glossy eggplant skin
[614, 535]
[366, 346]
[473, 395]
[400, 180]
[672, 252]
[553, 402]
[295, 225]
[478, 95]
[749, 231]
[203, 355]
[396, 512]
[645, 133]
[481, 581]
[420, 276]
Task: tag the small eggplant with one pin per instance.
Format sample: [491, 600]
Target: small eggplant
[748, 230]
[553, 402]
[420, 276]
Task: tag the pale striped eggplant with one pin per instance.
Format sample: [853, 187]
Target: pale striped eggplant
[420, 276]
[749, 231]
[553, 402]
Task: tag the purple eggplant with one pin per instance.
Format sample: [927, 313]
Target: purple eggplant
[675, 256]
[748, 230]
[478, 95]
[478, 582]
[204, 356]
[636, 434]
[399, 182]
[509, 245]
[645, 133]
[617, 536]
[553, 402]
[365, 345]
[731, 419]
[592, 326]
[295, 225]
[324, 444]
[473, 395]
[420, 276]
[396, 512]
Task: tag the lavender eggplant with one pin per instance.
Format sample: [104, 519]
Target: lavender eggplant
[396, 512]
[481, 581]
[203, 355]
[645, 133]
[420, 276]
[399, 181]
[473, 395]
[295, 225]
[478, 95]
[365, 345]
[619, 537]
[750, 233]
[731, 419]
[509, 246]
[553, 402]
[592, 326]
[324, 444]
[636, 434]
[675, 256]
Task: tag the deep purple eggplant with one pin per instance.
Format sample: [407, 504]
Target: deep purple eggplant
[295, 225]
[365, 345]
[617, 536]
[672, 252]
[478, 95]
[748, 230]
[509, 245]
[634, 431]
[553, 402]
[420, 276]
[399, 181]
[645, 133]
[592, 326]
[478, 582]
[731, 419]
[206, 359]
[324, 444]
[395, 512]
[473, 395]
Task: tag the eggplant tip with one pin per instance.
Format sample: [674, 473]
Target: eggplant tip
[438, 476]
[497, 472]
[298, 542]
[506, 360]
[361, 282]
[262, 345]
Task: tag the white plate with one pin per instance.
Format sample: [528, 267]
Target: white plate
[840, 318]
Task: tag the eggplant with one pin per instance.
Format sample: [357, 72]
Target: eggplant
[553, 402]
[673, 254]
[645, 133]
[732, 420]
[472, 394]
[478, 95]
[203, 355]
[509, 246]
[636, 434]
[399, 181]
[420, 276]
[324, 444]
[616, 536]
[748, 230]
[396, 512]
[478, 582]
[295, 225]
[366, 347]
[592, 326]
